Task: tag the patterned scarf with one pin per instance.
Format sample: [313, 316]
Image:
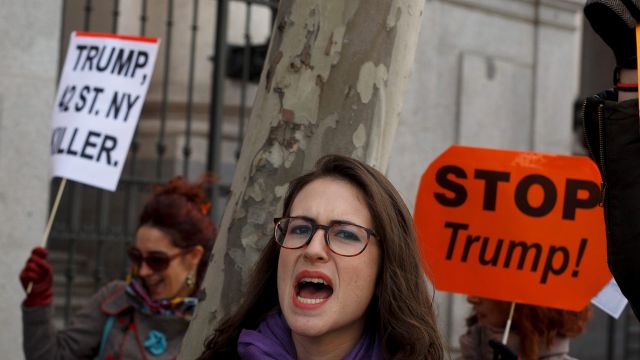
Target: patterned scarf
[140, 299]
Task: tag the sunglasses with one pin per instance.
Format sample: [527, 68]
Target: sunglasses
[155, 260]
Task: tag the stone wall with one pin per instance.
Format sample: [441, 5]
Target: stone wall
[28, 68]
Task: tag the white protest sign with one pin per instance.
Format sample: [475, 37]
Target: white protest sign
[610, 299]
[100, 96]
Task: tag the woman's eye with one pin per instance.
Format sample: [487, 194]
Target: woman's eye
[300, 230]
[343, 234]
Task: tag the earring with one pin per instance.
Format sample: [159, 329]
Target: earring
[189, 281]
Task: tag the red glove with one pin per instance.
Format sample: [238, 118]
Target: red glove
[37, 271]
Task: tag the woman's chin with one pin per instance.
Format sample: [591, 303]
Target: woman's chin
[156, 290]
[307, 326]
[308, 329]
[157, 296]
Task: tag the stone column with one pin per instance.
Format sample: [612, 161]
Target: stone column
[28, 68]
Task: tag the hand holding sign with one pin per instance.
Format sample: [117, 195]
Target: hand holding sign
[99, 100]
[514, 226]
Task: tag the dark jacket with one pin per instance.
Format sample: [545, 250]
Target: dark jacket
[474, 345]
[612, 135]
[82, 338]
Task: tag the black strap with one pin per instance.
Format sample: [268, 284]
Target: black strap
[633, 9]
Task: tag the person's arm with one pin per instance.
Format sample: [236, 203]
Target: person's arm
[615, 22]
[80, 340]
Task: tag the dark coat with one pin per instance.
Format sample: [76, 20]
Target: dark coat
[82, 338]
[612, 135]
[474, 345]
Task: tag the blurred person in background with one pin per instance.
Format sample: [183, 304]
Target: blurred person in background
[146, 316]
[536, 332]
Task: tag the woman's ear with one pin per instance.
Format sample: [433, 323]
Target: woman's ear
[195, 255]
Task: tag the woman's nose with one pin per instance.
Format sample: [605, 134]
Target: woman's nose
[317, 249]
[144, 270]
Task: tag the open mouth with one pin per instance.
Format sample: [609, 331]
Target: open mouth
[313, 290]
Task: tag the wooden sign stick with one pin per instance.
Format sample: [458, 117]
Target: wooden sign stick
[507, 328]
[52, 216]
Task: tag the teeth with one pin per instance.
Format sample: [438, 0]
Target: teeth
[313, 280]
[310, 301]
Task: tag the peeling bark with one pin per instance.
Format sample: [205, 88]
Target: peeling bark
[334, 81]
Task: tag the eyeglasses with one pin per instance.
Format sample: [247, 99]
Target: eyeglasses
[343, 238]
[155, 260]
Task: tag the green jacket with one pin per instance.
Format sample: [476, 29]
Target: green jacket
[88, 331]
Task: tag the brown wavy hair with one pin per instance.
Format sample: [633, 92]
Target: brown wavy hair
[538, 326]
[401, 311]
[180, 209]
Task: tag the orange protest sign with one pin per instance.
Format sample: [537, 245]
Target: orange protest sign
[514, 226]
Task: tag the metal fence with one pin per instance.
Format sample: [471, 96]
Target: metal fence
[192, 122]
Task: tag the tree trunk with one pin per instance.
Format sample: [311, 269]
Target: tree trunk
[334, 81]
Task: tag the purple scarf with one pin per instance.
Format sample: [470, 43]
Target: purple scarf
[272, 340]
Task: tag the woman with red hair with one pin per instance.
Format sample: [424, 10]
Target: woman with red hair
[536, 332]
[146, 316]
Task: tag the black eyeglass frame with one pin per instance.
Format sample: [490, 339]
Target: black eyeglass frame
[315, 226]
